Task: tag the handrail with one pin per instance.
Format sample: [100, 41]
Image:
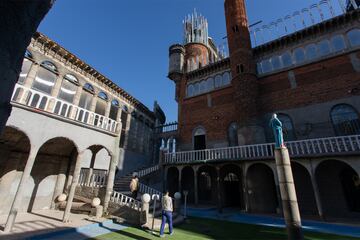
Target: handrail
[146, 189]
[97, 179]
[124, 200]
[302, 148]
[147, 171]
[44, 102]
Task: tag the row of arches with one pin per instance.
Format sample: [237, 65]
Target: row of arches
[52, 171]
[311, 52]
[332, 190]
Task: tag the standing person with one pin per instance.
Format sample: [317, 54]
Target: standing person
[134, 186]
[167, 209]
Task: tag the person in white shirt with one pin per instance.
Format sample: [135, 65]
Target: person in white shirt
[167, 209]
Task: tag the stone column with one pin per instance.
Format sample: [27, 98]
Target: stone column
[22, 185]
[110, 181]
[196, 192]
[91, 168]
[165, 179]
[245, 189]
[75, 181]
[219, 189]
[288, 194]
[29, 80]
[31, 75]
[107, 110]
[316, 192]
[76, 102]
[92, 108]
[60, 182]
[278, 192]
[55, 92]
[180, 177]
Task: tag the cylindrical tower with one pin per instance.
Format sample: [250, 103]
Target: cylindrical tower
[243, 70]
[176, 66]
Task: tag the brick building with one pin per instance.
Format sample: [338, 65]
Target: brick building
[310, 77]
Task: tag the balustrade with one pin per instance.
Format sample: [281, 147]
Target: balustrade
[124, 200]
[310, 147]
[44, 102]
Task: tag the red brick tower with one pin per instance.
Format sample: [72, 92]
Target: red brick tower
[243, 70]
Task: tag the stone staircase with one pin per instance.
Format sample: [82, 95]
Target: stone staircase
[122, 184]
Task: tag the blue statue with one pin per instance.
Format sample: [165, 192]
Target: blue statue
[276, 126]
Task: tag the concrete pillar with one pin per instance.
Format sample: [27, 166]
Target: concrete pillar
[278, 192]
[107, 110]
[75, 181]
[165, 179]
[55, 92]
[245, 189]
[180, 177]
[316, 192]
[31, 75]
[22, 185]
[76, 101]
[70, 175]
[91, 168]
[196, 191]
[93, 103]
[288, 194]
[110, 181]
[60, 181]
[219, 189]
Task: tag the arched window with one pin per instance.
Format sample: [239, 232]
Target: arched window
[103, 96]
[345, 120]
[354, 37]
[286, 59]
[45, 78]
[324, 48]
[86, 96]
[210, 84]
[275, 61]
[114, 109]
[226, 78]
[311, 52]
[49, 65]
[125, 108]
[233, 135]
[231, 177]
[199, 136]
[68, 88]
[299, 55]
[190, 90]
[288, 127]
[338, 43]
[203, 87]
[218, 80]
[196, 89]
[266, 66]
[25, 69]
[28, 54]
[89, 87]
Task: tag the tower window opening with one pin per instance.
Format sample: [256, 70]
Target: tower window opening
[235, 28]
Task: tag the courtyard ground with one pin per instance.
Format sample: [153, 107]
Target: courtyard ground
[199, 228]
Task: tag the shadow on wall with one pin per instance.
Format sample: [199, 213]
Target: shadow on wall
[131, 161]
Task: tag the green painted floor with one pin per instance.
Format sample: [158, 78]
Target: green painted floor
[196, 228]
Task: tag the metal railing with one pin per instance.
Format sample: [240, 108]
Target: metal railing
[321, 11]
[97, 179]
[310, 147]
[124, 200]
[146, 189]
[169, 127]
[147, 171]
[47, 103]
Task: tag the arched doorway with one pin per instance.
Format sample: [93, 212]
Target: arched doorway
[172, 181]
[14, 153]
[199, 138]
[304, 190]
[261, 189]
[54, 158]
[339, 188]
[207, 185]
[187, 183]
[231, 179]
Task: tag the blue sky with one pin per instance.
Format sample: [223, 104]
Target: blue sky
[128, 40]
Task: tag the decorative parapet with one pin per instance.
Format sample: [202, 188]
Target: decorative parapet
[332, 146]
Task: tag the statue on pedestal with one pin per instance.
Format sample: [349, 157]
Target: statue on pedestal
[276, 126]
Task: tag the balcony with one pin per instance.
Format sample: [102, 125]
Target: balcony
[332, 146]
[167, 128]
[45, 103]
